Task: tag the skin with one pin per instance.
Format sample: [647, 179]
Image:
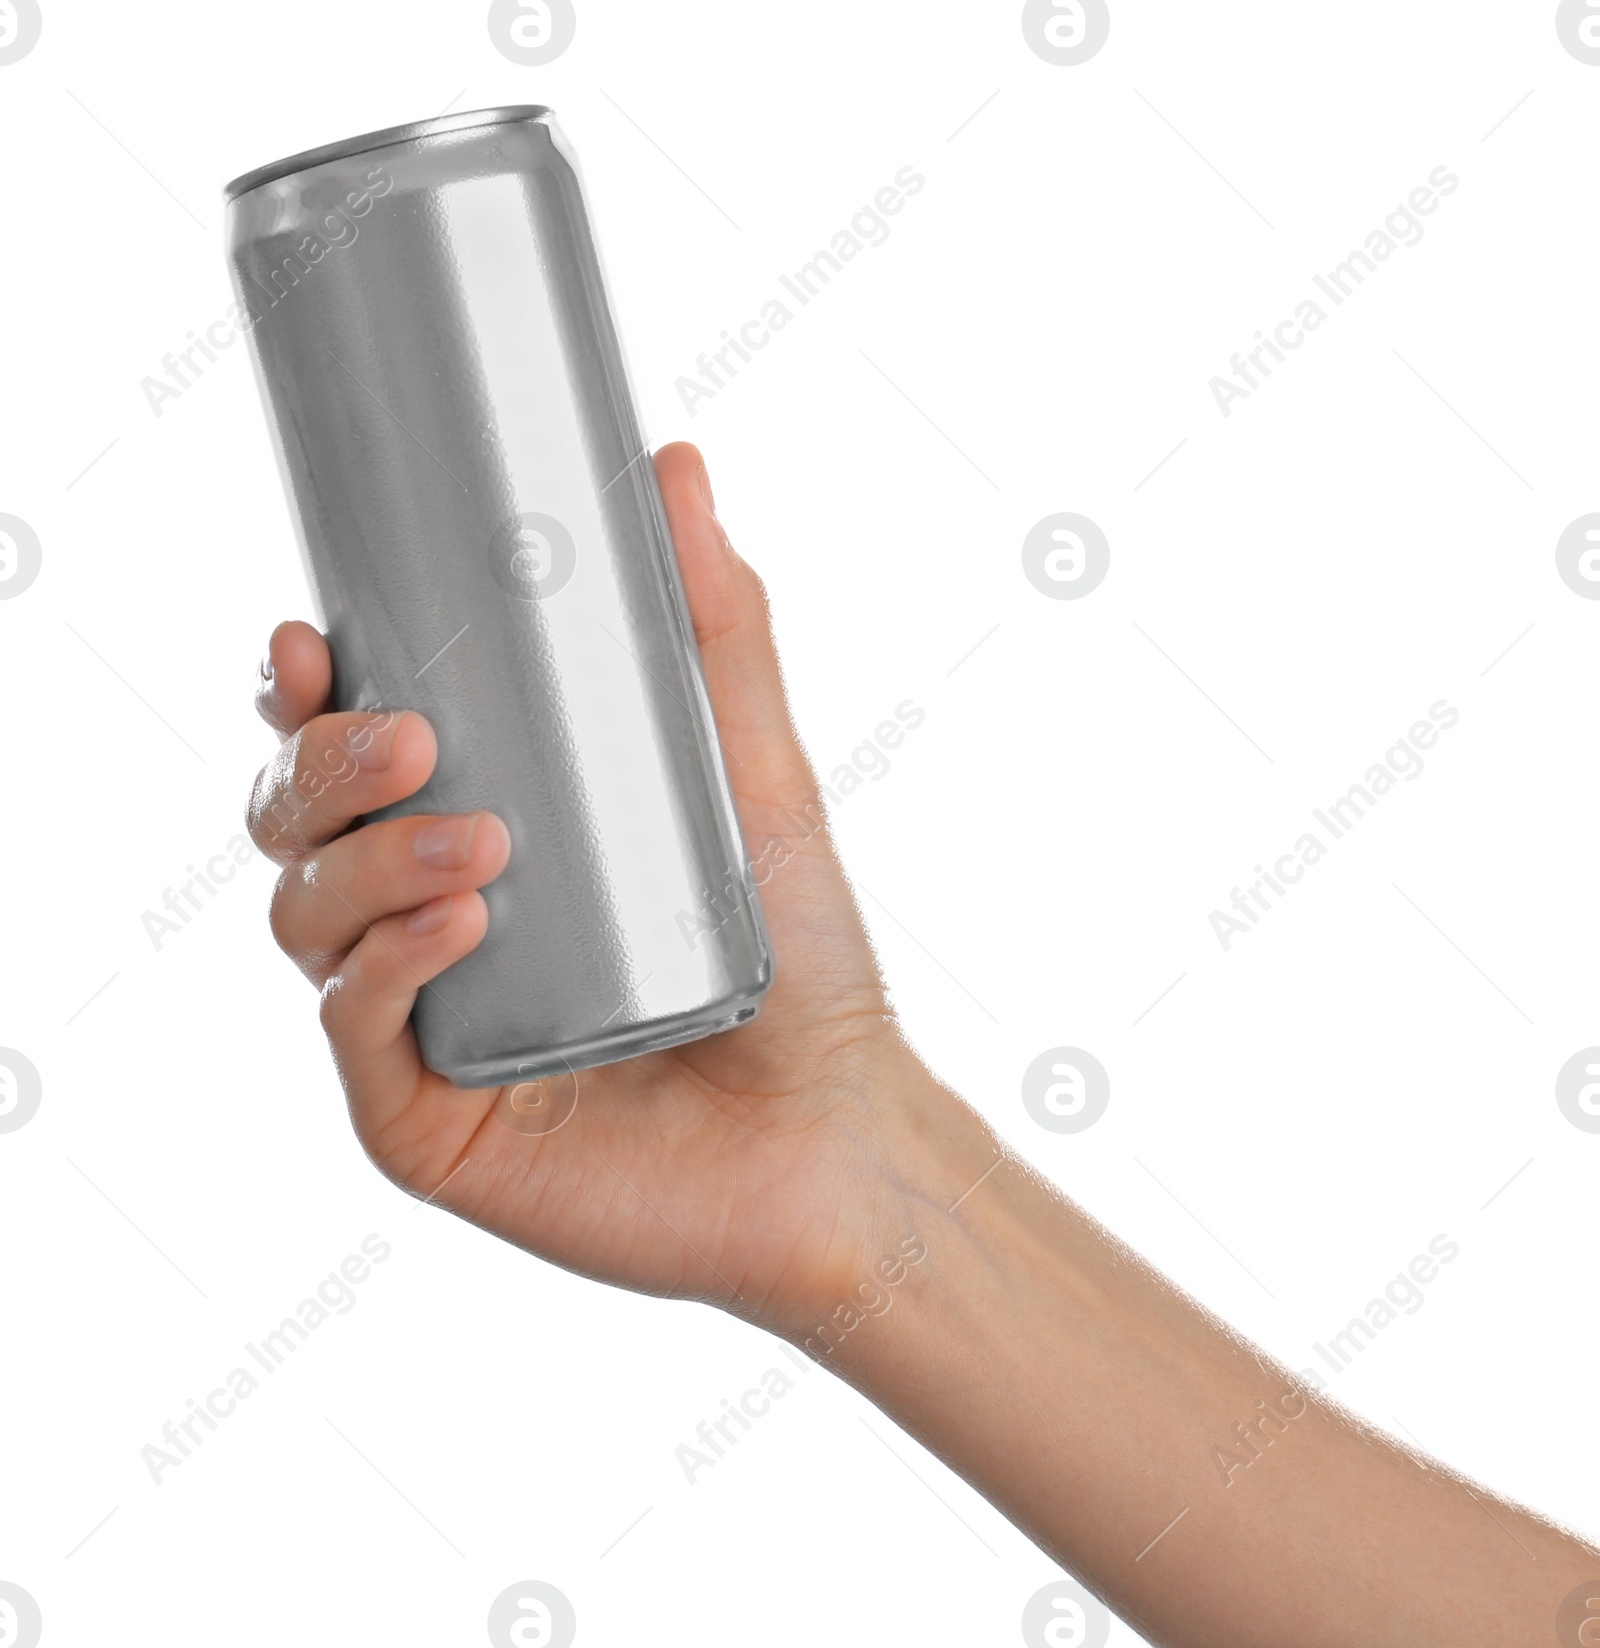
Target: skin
[787, 1171]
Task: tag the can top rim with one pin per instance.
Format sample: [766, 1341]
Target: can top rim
[411, 133]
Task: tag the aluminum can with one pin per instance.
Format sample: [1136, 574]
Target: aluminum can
[486, 543]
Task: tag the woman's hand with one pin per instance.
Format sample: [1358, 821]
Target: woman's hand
[767, 1169]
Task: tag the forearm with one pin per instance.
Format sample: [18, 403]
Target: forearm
[1090, 1401]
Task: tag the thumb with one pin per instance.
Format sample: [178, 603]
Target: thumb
[766, 764]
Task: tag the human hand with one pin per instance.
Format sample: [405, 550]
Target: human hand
[766, 1169]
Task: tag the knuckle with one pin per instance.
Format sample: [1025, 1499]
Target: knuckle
[281, 910]
[254, 807]
[332, 1007]
[275, 809]
[310, 933]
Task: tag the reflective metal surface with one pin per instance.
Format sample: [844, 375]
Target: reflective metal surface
[487, 545]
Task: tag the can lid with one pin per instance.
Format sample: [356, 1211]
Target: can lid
[382, 140]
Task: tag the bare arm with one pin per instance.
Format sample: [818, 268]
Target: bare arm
[778, 1170]
[1195, 1485]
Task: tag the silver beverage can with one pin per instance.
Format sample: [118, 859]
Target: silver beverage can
[486, 543]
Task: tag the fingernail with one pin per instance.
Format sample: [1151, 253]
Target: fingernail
[266, 670]
[446, 844]
[373, 744]
[430, 917]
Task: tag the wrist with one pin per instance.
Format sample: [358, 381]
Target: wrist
[968, 1255]
[882, 1139]
[937, 1214]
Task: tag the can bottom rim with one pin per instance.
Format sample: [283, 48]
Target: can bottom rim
[536, 1063]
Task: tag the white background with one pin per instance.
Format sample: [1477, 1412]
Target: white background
[1347, 548]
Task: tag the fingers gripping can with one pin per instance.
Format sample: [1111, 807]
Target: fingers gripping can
[487, 544]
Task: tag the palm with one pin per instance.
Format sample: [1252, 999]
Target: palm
[712, 1170]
